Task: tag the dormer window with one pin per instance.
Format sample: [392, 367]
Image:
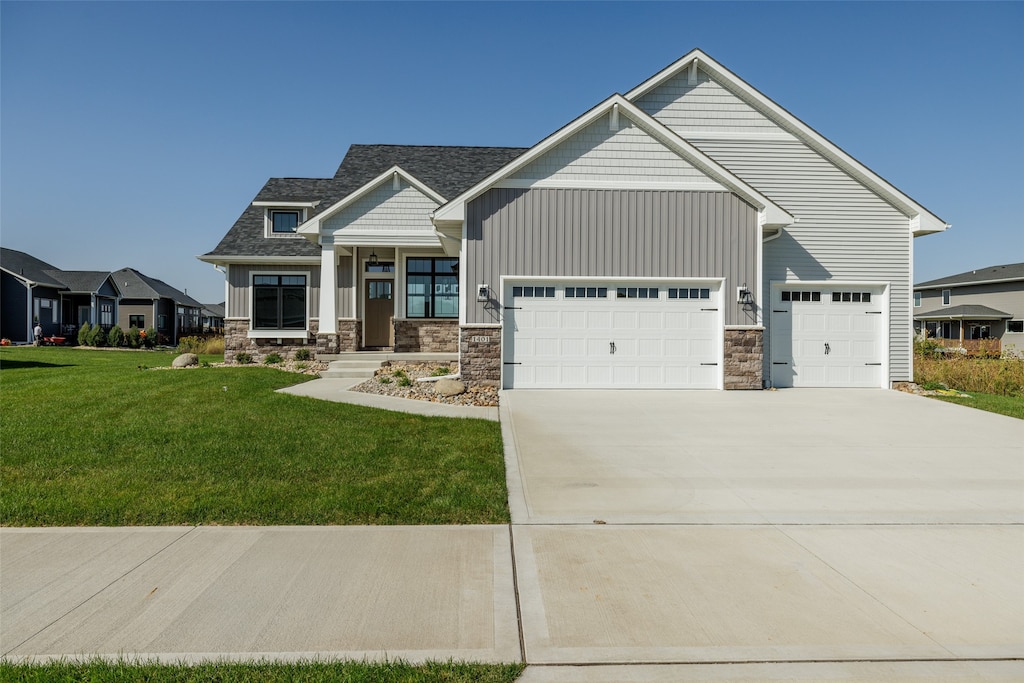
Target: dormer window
[284, 221]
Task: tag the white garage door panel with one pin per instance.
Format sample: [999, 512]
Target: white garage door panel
[611, 341]
[825, 342]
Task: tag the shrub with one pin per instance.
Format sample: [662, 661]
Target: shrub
[97, 337]
[272, 359]
[133, 338]
[243, 358]
[190, 344]
[441, 371]
[83, 334]
[214, 345]
[115, 337]
[302, 354]
[201, 345]
[384, 379]
[149, 337]
[404, 380]
[1004, 377]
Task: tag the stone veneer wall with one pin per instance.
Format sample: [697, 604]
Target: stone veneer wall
[480, 354]
[348, 338]
[438, 336]
[237, 340]
[744, 357]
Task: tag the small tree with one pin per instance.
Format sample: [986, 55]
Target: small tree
[150, 339]
[134, 338]
[83, 334]
[97, 337]
[115, 337]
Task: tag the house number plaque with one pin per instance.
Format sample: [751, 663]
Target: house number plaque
[480, 340]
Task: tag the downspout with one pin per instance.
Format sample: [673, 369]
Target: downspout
[28, 332]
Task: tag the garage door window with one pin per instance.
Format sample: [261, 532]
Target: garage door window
[534, 292]
[586, 292]
[637, 293]
[693, 293]
[801, 296]
[851, 297]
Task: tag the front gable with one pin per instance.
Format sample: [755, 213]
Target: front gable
[612, 151]
[393, 208]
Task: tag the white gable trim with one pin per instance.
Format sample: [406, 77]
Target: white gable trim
[454, 212]
[925, 222]
[311, 228]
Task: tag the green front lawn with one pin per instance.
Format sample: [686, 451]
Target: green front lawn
[94, 438]
[1004, 405]
[306, 672]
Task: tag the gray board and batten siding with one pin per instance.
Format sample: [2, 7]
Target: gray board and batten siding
[240, 283]
[609, 233]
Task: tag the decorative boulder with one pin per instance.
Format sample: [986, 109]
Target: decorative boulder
[449, 387]
[185, 360]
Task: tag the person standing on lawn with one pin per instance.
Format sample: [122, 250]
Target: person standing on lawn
[37, 334]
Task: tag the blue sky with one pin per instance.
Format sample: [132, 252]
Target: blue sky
[135, 133]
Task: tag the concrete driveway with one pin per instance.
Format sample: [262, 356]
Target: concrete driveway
[792, 528]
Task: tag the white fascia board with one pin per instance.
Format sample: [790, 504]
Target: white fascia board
[242, 260]
[288, 205]
[454, 212]
[928, 222]
[312, 226]
[30, 283]
[952, 285]
[387, 238]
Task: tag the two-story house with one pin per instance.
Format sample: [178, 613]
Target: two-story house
[980, 310]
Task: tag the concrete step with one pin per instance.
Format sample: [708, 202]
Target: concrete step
[332, 373]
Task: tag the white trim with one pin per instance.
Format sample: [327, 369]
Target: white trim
[288, 205]
[696, 185]
[268, 223]
[928, 222]
[973, 283]
[387, 238]
[261, 260]
[946, 297]
[314, 224]
[360, 287]
[455, 210]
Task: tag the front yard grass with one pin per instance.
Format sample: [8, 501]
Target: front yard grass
[99, 671]
[993, 403]
[93, 438]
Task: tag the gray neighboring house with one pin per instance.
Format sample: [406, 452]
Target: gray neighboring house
[979, 310]
[691, 233]
[61, 300]
[147, 302]
[212, 317]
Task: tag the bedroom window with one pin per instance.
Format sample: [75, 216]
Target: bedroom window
[432, 288]
[279, 302]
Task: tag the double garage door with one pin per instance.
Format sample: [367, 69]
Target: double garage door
[827, 336]
[612, 334]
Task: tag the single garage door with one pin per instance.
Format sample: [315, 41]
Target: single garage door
[827, 336]
[642, 334]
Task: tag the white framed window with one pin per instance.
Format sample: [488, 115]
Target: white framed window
[283, 221]
[945, 297]
[1015, 326]
[917, 299]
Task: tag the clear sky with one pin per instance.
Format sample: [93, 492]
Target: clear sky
[135, 133]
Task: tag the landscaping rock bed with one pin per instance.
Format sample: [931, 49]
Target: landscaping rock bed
[398, 379]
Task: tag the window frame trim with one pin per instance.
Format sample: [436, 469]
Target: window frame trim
[279, 333]
[268, 220]
[406, 257]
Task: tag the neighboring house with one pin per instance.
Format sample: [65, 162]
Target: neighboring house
[980, 310]
[212, 317]
[688, 234]
[150, 303]
[61, 300]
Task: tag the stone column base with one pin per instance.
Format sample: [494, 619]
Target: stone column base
[744, 359]
[348, 337]
[480, 354]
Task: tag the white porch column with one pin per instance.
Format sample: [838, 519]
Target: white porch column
[328, 289]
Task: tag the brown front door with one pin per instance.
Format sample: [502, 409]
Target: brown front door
[380, 307]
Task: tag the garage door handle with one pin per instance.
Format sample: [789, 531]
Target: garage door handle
[828, 349]
[709, 363]
[774, 311]
[611, 348]
[510, 363]
[874, 312]
[872, 364]
[780, 362]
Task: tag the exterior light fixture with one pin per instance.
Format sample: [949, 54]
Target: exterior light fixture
[744, 295]
[372, 260]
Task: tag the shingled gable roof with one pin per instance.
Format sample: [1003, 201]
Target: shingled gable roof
[135, 285]
[453, 213]
[924, 222]
[1009, 272]
[83, 281]
[28, 268]
[445, 169]
[965, 311]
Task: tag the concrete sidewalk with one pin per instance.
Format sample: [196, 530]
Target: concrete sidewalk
[241, 593]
